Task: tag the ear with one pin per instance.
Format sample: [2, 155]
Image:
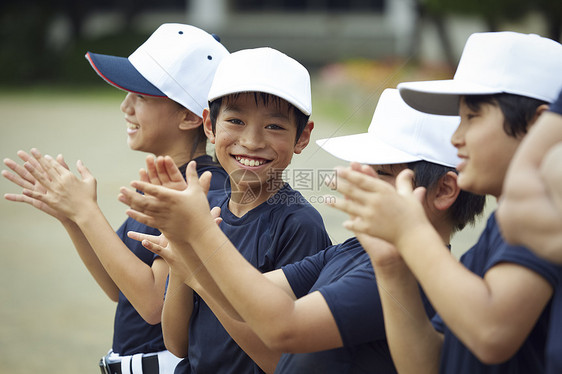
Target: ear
[304, 139]
[189, 120]
[540, 110]
[446, 192]
[208, 126]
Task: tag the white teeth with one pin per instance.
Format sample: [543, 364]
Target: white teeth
[132, 126]
[245, 161]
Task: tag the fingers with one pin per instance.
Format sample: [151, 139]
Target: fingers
[143, 175]
[172, 170]
[161, 171]
[360, 180]
[191, 174]
[215, 213]
[19, 198]
[22, 177]
[149, 188]
[365, 169]
[348, 189]
[348, 206]
[154, 239]
[62, 162]
[205, 181]
[83, 170]
[141, 217]
[405, 182]
[151, 173]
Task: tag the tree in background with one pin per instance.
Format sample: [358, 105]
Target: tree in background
[492, 12]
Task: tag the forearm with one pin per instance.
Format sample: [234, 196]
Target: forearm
[90, 260]
[414, 344]
[176, 313]
[141, 284]
[265, 357]
[200, 280]
[479, 311]
[256, 299]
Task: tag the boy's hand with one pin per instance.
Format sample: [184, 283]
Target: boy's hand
[160, 246]
[178, 214]
[174, 256]
[63, 191]
[382, 253]
[162, 171]
[377, 208]
[32, 188]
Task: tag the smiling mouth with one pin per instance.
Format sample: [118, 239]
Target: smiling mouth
[250, 161]
[132, 126]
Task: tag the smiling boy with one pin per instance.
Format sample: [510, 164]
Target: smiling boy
[258, 117]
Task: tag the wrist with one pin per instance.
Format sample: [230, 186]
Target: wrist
[86, 214]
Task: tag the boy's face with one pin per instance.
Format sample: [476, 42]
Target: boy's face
[255, 141]
[152, 123]
[484, 148]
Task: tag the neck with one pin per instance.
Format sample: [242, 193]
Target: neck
[184, 156]
[444, 229]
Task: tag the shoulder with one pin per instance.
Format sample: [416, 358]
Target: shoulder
[293, 205]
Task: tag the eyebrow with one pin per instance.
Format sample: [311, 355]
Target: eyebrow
[274, 114]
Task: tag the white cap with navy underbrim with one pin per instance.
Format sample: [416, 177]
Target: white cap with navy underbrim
[177, 61]
[492, 63]
[398, 134]
[263, 70]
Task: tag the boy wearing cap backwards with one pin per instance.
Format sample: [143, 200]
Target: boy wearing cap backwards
[315, 312]
[258, 116]
[167, 79]
[491, 307]
[530, 210]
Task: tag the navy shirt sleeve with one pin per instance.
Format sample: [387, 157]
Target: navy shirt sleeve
[303, 274]
[302, 234]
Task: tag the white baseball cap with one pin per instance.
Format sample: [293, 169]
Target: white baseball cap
[177, 61]
[263, 70]
[492, 63]
[398, 134]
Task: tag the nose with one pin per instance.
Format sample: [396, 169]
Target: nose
[457, 139]
[252, 137]
[127, 104]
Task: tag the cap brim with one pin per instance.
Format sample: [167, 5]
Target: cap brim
[120, 73]
[366, 149]
[440, 96]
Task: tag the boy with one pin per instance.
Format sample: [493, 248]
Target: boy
[314, 312]
[530, 212]
[491, 307]
[259, 105]
[167, 80]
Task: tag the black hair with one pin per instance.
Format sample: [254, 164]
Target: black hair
[518, 110]
[466, 208]
[301, 119]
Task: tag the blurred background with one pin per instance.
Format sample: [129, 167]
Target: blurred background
[53, 317]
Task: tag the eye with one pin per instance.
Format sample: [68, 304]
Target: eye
[140, 96]
[274, 127]
[383, 173]
[235, 121]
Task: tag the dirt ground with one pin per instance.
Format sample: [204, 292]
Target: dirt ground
[53, 316]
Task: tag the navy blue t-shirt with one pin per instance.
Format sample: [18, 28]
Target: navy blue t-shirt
[490, 250]
[280, 231]
[554, 343]
[343, 274]
[131, 333]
